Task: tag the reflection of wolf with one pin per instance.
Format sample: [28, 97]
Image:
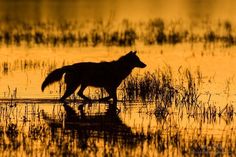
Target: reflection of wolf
[104, 74]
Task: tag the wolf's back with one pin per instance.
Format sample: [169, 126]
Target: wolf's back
[54, 76]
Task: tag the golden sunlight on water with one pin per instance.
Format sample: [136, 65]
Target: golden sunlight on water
[214, 64]
[181, 104]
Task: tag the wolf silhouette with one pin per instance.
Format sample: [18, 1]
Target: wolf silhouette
[107, 75]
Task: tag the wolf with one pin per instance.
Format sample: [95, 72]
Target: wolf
[107, 75]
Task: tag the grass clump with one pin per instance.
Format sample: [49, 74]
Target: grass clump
[161, 87]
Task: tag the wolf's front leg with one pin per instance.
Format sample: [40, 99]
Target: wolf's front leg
[113, 105]
[113, 95]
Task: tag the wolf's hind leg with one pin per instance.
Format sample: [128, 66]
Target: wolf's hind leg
[80, 93]
[70, 88]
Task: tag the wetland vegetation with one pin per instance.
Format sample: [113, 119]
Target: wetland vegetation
[109, 33]
[183, 104]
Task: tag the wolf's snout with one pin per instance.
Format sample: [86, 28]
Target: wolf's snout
[142, 65]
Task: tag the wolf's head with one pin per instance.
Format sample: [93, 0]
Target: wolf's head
[132, 59]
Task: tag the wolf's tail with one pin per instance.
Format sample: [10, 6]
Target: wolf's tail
[54, 76]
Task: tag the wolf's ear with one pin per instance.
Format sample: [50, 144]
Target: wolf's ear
[131, 52]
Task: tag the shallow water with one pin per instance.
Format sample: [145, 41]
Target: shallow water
[31, 65]
[181, 104]
[48, 128]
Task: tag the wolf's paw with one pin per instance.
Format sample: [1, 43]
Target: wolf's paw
[104, 99]
[88, 101]
[113, 110]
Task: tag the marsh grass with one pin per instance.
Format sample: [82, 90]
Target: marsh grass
[169, 96]
[181, 93]
[32, 135]
[124, 33]
[25, 65]
[161, 87]
[150, 87]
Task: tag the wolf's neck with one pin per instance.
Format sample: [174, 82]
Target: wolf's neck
[124, 68]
